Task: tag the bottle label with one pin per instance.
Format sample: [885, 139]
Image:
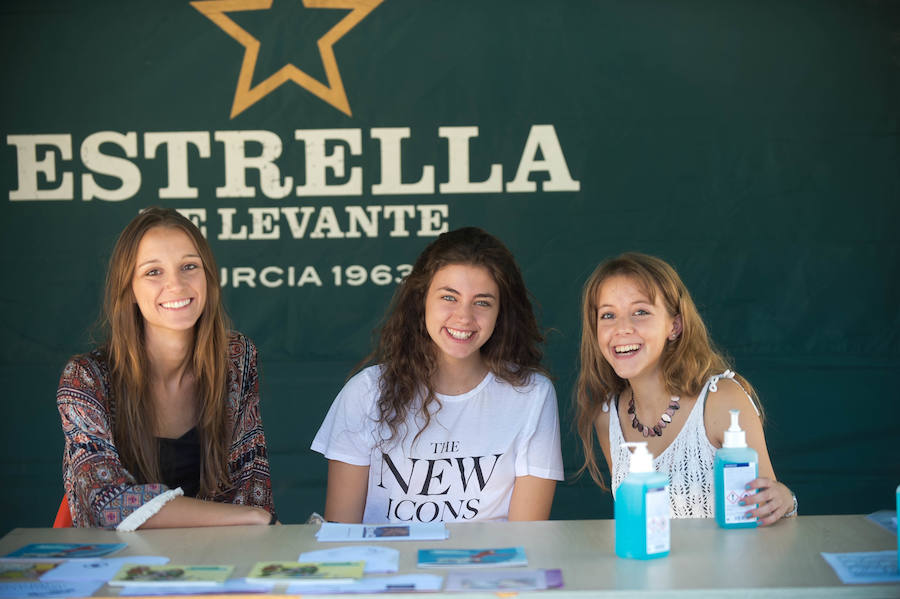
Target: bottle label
[657, 502]
[735, 477]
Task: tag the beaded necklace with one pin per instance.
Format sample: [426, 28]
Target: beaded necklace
[664, 419]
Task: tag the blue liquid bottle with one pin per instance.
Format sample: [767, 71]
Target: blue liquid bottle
[897, 518]
[735, 466]
[642, 509]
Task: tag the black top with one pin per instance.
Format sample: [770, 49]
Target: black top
[179, 462]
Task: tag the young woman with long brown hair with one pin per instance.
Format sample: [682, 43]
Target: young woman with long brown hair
[161, 424]
[649, 373]
[454, 420]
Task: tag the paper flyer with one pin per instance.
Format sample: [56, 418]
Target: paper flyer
[472, 558]
[415, 531]
[231, 586]
[170, 575]
[378, 560]
[100, 568]
[404, 583]
[504, 580]
[306, 572]
[864, 567]
[65, 550]
[26, 570]
[82, 588]
[886, 519]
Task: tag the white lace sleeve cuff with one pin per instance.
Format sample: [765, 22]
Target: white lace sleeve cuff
[135, 519]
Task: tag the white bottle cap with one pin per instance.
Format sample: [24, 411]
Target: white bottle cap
[641, 459]
[734, 436]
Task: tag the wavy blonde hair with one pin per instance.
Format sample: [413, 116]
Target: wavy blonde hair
[687, 362]
[135, 415]
[406, 352]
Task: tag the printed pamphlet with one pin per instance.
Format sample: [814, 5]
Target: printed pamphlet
[865, 567]
[65, 550]
[415, 531]
[504, 580]
[25, 570]
[404, 583]
[64, 588]
[379, 560]
[472, 558]
[306, 572]
[170, 574]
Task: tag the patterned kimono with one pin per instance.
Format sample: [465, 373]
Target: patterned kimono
[102, 493]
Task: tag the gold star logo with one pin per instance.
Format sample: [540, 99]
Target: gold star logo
[246, 94]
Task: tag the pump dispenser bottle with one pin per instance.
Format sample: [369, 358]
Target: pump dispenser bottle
[642, 509]
[735, 466]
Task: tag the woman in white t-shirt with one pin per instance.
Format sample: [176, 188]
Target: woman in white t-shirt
[454, 419]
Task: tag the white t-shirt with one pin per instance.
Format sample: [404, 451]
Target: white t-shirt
[463, 466]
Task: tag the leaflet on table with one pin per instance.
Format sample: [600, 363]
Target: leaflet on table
[415, 531]
[170, 575]
[504, 580]
[864, 567]
[26, 570]
[472, 558]
[57, 551]
[99, 569]
[886, 519]
[379, 560]
[306, 572]
[231, 586]
[380, 584]
[68, 588]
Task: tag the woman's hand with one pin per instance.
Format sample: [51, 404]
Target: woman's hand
[773, 500]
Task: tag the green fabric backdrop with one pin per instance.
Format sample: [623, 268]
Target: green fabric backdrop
[754, 145]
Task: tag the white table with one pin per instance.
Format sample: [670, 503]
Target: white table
[782, 560]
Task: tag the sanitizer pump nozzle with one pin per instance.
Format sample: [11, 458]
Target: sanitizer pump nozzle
[734, 436]
[641, 458]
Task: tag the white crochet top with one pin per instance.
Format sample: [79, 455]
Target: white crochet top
[688, 461]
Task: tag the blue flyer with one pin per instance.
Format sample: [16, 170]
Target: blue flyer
[456, 558]
[65, 550]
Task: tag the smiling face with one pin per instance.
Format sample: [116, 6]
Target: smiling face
[632, 331]
[169, 284]
[461, 309]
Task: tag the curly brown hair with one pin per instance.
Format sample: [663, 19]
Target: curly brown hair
[408, 356]
[687, 362]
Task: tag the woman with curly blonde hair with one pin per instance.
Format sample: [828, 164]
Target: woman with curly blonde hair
[649, 373]
[454, 419]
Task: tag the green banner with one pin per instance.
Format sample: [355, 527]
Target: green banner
[321, 144]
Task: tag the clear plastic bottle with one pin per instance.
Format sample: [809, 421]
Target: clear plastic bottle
[735, 466]
[642, 509]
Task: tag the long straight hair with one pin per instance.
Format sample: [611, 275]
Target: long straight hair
[135, 412]
[686, 362]
[406, 352]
